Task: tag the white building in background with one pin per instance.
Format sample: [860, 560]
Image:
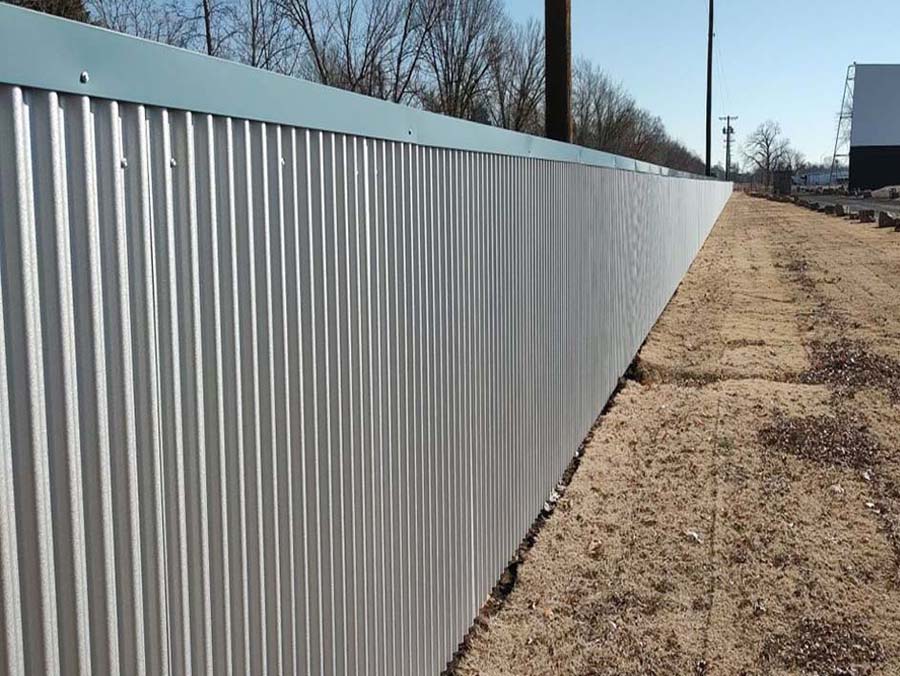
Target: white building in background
[822, 177]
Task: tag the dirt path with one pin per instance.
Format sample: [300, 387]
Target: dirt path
[738, 508]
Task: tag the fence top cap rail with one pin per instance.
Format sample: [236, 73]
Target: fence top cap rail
[47, 52]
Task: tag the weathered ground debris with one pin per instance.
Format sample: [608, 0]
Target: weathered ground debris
[841, 440]
[849, 366]
[825, 648]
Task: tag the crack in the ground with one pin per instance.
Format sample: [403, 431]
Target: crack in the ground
[655, 374]
[702, 665]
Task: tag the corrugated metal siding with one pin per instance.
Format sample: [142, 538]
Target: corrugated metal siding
[275, 400]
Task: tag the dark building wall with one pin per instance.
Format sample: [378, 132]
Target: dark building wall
[873, 167]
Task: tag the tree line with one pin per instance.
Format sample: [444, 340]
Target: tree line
[465, 58]
[767, 151]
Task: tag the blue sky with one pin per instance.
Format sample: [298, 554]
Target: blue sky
[777, 59]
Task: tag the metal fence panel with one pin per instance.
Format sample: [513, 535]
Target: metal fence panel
[282, 400]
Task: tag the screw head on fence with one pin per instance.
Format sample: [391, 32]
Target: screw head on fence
[84, 77]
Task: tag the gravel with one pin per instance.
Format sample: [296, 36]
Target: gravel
[816, 646]
[842, 440]
[849, 366]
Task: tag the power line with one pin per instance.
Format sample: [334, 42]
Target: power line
[724, 98]
[720, 62]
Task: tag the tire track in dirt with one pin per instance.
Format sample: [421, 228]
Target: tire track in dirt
[702, 664]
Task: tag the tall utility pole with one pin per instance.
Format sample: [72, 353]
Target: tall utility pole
[558, 69]
[709, 69]
[728, 130]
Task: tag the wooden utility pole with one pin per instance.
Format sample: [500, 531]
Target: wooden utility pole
[709, 69]
[558, 67]
[728, 130]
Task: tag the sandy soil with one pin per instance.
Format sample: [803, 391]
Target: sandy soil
[737, 510]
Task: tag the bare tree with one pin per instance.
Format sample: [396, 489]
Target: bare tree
[767, 150]
[585, 80]
[221, 23]
[677, 156]
[263, 37]
[373, 47]
[68, 9]
[464, 58]
[418, 18]
[796, 160]
[172, 22]
[460, 48]
[606, 117]
[208, 26]
[517, 78]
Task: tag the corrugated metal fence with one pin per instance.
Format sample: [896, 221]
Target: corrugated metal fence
[280, 400]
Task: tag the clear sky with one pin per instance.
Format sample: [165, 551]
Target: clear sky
[776, 59]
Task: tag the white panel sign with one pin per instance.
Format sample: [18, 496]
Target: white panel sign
[876, 106]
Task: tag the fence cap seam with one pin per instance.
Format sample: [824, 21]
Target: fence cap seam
[47, 52]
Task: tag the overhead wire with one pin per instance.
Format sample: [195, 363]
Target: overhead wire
[722, 90]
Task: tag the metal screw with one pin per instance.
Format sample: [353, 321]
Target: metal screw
[283, 162]
[84, 77]
[124, 162]
[173, 163]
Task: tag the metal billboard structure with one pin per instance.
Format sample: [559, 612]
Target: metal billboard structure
[875, 126]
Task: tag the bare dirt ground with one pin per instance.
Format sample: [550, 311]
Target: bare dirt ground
[737, 510]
